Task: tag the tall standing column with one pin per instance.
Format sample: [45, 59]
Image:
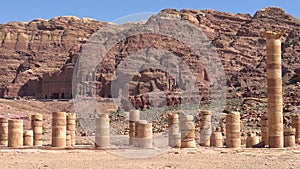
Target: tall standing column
[37, 127]
[274, 82]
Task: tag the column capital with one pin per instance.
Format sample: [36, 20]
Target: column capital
[273, 34]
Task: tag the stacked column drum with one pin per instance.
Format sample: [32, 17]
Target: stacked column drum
[37, 127]
[3, 131]
[134, 116]
[59, 129]
[264, 129]
[233, 136]
[296, 125]
[68, 139]
[71, 126]
[143, 134]
[274, 89]
[102, 131]
[187, 128]
[15, 133]
[28, 138]
[174, 130]
[216, 138]
[252, 140]
[289, 137]
[205, 127]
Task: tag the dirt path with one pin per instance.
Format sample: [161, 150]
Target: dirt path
[200, 158]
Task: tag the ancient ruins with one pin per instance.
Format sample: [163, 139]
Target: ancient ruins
[274, 78]
[183, 131]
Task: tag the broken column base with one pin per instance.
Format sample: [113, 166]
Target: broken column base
[175, 140]
[188, 143]
[143, 142]
[103, 141]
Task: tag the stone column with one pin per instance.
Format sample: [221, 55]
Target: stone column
[289, 137]
[205, 127]
[174, 130]
[134, 116]
[136, 129]
[3, 131]
[296, 125]
[71, 126]
[187, 127]
[216, 138]
[274, 82]
[28, 138]
[68, 139]
[102, 131]
[59, 129]
[233, 130]
[264, 129]
[15, 133]
[37, 127]
[143, 137]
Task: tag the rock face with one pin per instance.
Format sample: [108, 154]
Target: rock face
[38, 57]
[32, 53]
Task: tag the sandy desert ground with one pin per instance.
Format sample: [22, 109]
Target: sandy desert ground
[48, 158]
[173, 158]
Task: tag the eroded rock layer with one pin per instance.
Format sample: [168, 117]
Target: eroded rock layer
[38, 56]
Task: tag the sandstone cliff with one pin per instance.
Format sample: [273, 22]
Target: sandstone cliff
[30, 50]
[45, 51]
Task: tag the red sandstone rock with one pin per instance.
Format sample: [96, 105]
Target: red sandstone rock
[37, 55]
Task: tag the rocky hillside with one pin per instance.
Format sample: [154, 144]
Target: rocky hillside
[238, 39]
[35, 50]
[29, 50]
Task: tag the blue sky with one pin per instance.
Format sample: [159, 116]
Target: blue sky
[110, 10]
